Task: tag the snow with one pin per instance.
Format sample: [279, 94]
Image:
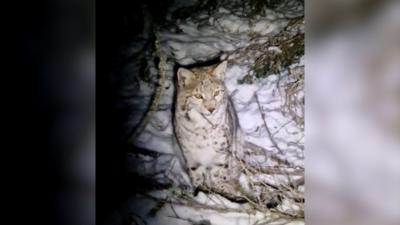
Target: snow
[201, 38]
[205, 37]
[180, 214]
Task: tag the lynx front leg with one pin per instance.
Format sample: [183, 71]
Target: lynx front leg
[197, 175]
[223, 182]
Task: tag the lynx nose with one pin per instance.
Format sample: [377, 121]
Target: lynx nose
[211, 109]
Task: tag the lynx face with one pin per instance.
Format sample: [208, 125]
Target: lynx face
[201, 89]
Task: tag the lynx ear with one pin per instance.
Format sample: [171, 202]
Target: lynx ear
[184, 77]
[219, 71]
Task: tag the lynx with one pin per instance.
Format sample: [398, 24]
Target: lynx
[205, 126]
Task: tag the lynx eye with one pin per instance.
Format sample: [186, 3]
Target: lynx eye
[216, 93]
[199, 96]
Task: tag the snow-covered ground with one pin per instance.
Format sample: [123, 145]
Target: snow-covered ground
[269, 110]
